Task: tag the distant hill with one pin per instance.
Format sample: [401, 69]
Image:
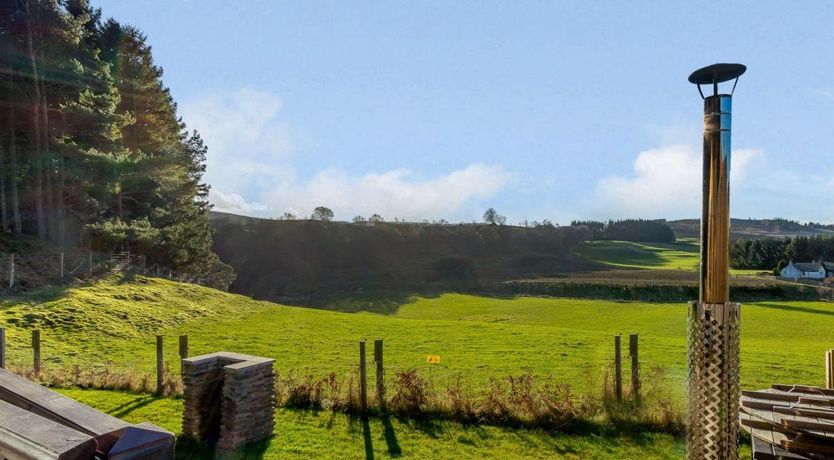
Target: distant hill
[278, 259]
[754, 228]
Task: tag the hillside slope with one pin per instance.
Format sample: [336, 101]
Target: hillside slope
[280, 259]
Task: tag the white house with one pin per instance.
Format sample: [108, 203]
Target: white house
[810, 270]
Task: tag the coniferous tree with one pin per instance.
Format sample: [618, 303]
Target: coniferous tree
[92, 151]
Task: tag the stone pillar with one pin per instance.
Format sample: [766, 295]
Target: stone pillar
[228, 399]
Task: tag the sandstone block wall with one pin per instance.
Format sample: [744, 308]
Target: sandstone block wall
[228, 399]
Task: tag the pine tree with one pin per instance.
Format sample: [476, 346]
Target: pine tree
[92, 150]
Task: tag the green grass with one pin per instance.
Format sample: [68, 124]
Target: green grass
[113, 323]
[680, 255]
[325, 435]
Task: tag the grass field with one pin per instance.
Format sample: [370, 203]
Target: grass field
[326, 435]
[113, 322]
[680, 255]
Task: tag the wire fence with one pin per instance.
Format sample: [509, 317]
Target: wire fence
[115, 364]
[24, 272]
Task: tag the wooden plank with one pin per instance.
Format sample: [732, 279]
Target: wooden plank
[762, 450]
[783, 454]
[46, 403]
[804, 389]
[24, 435]
[818, 414]
[807, 445]
[764, 435]
[771, 395]
[821, 402]
[788, 421]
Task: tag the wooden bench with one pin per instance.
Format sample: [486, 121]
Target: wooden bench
[24, 435]
[105, 431]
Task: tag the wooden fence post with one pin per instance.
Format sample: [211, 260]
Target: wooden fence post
[11, 271]
[363, 378]
[618, 369]
[62, 264]
[159, 375]
[635, 367]
[829, 369]
[183, 350]
[2, 348]
[184, 346]
[90, 270]
[380, 374]
[36, 349]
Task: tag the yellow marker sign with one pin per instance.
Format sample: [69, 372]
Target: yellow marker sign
[433, 359]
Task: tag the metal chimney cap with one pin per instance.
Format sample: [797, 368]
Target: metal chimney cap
[716, 73]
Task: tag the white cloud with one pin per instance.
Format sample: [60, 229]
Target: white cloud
[234, 203]
[396, 193]
[666, 183]
[250, 169]
[247, 140]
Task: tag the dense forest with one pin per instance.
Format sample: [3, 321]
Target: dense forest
[279, 258]
[636, 230]
[755, 228]
[92, 151]
[773, 254]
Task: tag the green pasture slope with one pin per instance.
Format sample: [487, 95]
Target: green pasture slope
[680, 255]
[113, 323]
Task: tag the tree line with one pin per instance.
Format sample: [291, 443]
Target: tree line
[92, 150]
[276, 258]
[776, 253]
[629, 230]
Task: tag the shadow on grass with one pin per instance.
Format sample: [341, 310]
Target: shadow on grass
[381, 302]
[366, 436]
[130, 406]
[40, 295]
[794, 308]
[189, 448]
[384, 302]
[622, 253]
[388, 433]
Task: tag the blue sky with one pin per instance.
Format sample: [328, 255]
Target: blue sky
[543, 110]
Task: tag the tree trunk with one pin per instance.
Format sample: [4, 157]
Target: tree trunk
[18, 224]
[4, 213]
[51, 199]
[62, 215]
[36, 123]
